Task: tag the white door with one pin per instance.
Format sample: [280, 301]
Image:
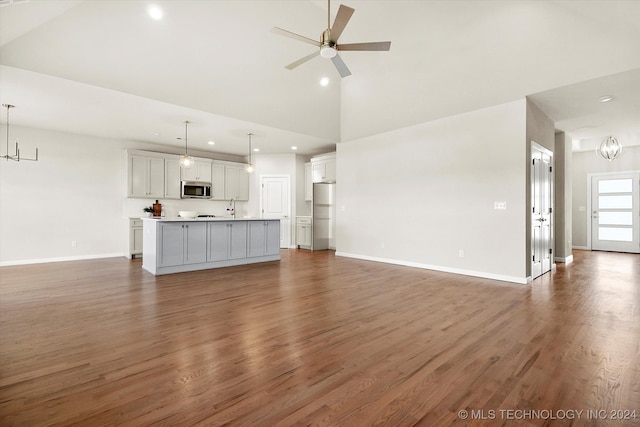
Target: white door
[542, 208]
[615, 212]
[275, 204]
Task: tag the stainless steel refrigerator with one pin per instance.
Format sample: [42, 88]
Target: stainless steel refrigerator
[324, 216]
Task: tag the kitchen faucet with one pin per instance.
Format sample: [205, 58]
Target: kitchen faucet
[232, 208]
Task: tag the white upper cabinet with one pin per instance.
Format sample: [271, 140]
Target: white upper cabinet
[199, 171]
[171, 179]
[145, 177]
[152, 175]
[323, 168]
[217, 181]
[236, 185]
[308, 183]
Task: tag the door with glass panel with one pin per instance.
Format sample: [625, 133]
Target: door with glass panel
[615, 212]
[542, 209]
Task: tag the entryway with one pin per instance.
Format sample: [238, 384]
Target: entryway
[615, 212]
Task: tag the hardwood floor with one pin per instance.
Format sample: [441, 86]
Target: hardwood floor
[318, 340]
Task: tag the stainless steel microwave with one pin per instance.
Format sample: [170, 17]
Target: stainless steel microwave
[195, 190]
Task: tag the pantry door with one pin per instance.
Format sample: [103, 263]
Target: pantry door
[274, 204]
[615, 212]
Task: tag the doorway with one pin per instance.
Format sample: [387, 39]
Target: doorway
[615, 212]
[275, 204]
[542, 210]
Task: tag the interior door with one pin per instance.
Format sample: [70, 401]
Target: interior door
[615, 212]
[275, 204]
[542, 209]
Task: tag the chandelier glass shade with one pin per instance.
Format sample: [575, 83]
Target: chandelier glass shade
[249, 168]
[185, 160]
[610, 148]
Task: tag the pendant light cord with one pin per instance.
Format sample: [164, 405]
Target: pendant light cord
[186, 147]
[8, 107]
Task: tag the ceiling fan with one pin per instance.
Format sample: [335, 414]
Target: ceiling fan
[328, 43]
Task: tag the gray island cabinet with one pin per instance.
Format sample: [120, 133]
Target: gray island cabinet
[176, 245]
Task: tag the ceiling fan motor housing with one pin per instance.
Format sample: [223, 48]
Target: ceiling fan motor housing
[328, 48]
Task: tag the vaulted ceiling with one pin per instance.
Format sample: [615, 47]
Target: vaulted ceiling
[106, 68]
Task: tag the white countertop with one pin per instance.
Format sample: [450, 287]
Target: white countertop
[218, 218]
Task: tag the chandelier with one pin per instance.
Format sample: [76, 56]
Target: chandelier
[610, 148]
[16, 157]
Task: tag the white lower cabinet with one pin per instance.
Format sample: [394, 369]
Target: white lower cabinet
[227, 240]
[303, 232]
[135, 237]
[263, 238]
[182, 243]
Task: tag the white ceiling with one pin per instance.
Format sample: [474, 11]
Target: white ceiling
[105, 68]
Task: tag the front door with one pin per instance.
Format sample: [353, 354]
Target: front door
[541, 217]
[615, 212]
[275, 204]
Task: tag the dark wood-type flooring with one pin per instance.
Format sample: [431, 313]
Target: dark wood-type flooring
[318, 340]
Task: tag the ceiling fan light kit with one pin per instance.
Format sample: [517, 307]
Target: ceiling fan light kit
[328, 44]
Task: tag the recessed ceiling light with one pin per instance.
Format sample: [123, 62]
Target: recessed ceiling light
[607, 98]
[324, 81]
[256, 149]
[211, 143]
[155, 12]
[156, 134]
[293, 147]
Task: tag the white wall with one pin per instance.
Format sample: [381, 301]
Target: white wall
[421, 194]
[563, 160]
[75, 192]
[584, 163]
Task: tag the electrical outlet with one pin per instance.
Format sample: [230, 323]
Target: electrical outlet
[382, 245]
[461, 253]
[74, 244]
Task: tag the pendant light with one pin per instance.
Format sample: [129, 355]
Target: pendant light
[16, 157]
[185, 160]
[249, 168]
[610, 148]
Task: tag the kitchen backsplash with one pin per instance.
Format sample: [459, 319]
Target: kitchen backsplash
[170, 207]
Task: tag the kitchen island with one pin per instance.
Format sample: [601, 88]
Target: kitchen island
[174, 245]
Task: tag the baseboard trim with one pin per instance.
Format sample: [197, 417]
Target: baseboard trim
[60, 259]
[582, 248]
[481, 274]
[566, 260]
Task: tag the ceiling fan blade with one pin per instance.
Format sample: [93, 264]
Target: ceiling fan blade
[295, 36]
[365, 46]
[343, 16]
[340, 66]
[302, 60]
